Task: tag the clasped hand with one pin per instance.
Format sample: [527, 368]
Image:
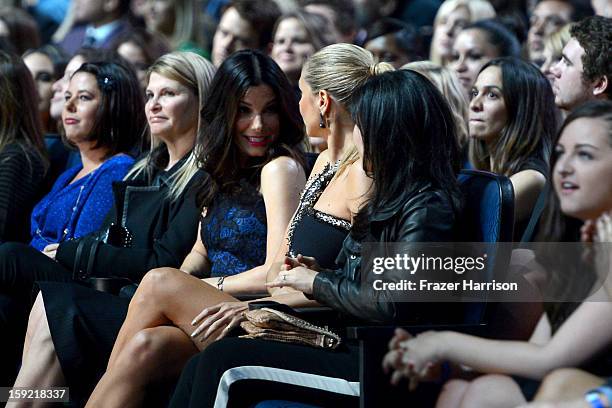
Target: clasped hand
[298, 273]
[413, 358]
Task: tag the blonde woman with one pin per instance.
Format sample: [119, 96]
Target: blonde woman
[296, 37]
[179, 21]
[553, 50]
[446, 81]
[452, 17]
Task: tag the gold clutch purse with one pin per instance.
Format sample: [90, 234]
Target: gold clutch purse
[270, 324]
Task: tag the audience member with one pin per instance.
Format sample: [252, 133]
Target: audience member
[97, 23]
[478, 44]
[141, 48]
[244, 24]
[557, 341]
[339, 13]
[602, 7]
[178, 21]
[511, 123]
[270, 174]
[22, 151]
[395, 42]
[296, 37]
[553, 50]
[59, 87]
[45, 64]
[452, 17]
[447, 83]
[102, 119]
[19, 28]
[547, 17]
[585, 71]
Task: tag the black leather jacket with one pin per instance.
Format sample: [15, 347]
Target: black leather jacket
[422, 214]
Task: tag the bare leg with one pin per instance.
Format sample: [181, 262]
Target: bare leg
[493, 391]
[147, 348]
[567, 384]
[40, 366]
[166, 296]
[151, 355]
[452, 394]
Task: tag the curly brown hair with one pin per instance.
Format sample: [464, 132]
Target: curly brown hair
[595, 36]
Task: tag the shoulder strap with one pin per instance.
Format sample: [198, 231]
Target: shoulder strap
[538, 209]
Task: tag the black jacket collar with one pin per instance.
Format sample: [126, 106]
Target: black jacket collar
[392, 208]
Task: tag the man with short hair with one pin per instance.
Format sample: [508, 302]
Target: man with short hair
[548, 17]
[98, 24]
[339, 13]
[393, 41]
[585, 69]
[244, 24]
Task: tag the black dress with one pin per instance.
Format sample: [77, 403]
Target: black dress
[84, 323]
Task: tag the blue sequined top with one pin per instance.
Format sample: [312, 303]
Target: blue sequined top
[234, 231]
[77, 209]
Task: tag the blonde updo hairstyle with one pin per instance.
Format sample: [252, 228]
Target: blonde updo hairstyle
[448, 84]
[339, 69]
[477, 9]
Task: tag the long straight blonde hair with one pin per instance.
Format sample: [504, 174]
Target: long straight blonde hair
[196, 73]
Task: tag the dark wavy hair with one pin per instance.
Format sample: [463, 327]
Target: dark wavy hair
[261, 14]
[216, 149]
[408, 134]
[595, 36]
[532, 120]
[120, 120]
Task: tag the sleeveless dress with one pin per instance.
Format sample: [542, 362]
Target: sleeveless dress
[313, 232]
[234, 231]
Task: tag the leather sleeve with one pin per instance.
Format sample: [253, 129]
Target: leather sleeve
[428, 217]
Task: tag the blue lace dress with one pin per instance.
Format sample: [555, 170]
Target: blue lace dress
[234, 231]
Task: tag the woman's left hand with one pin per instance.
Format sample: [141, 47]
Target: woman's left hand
[228, 314]
[50, 250]
[299, 278]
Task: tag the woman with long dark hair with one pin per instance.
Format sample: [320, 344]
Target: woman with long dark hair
[414, 198]
[22, 151]
[512, 121]
[477, 44]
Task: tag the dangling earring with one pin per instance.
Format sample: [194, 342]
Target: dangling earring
[322, 122]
